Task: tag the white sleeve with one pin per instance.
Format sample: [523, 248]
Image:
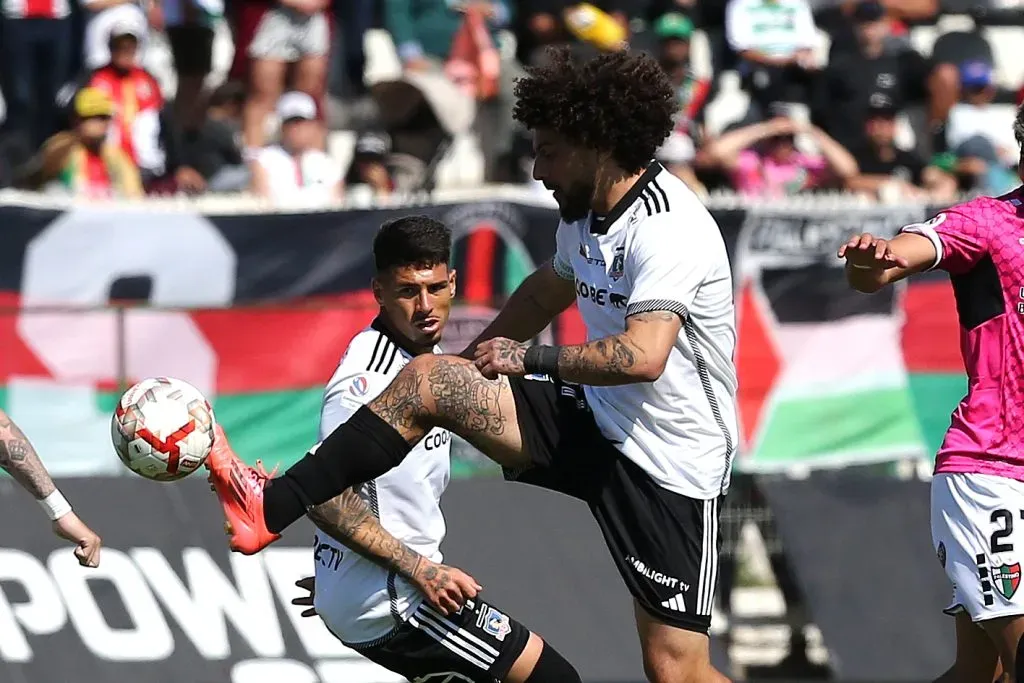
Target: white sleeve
[562, 260]
[664, 268]
[739, 30]
[345, 394]
[806, 32]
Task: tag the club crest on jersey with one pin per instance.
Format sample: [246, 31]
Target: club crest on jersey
[618, 265]
[359, 386]
[1006, 579]
[493, 622]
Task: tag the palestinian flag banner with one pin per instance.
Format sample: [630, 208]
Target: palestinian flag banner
[256, 310]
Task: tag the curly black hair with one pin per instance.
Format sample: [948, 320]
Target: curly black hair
[416, 240]
[620, 102]
[1018, 125]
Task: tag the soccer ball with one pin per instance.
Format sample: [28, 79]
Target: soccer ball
[163, 429]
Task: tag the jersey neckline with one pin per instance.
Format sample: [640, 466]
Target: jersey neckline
[628, 199]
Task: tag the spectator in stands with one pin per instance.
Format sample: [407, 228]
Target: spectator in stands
[297, 171]
[142, 125]
[441, 43]
[773, 40]
[982, 149]
[274, 36]
[215, 150]
[890, 173]
[82, 161]
[369, 168]
[877, 65]
[762, 159]
[541, 23]
[35, 44]
[102, 16]
[673, 31]
[189, 27]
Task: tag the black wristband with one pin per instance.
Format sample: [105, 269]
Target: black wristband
[541, 360]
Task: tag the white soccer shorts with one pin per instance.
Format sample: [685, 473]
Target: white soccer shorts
[978, 535]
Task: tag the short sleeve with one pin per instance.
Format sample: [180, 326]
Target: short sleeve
[660, 274]
[345, 395]
[562, 260]
[959, 241]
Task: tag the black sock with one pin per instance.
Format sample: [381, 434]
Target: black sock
[552, 667]
[359, 450]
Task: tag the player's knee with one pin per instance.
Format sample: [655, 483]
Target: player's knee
[667, 664]
[552, 667]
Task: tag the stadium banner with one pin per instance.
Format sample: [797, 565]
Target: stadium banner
[255, 310]
[170, 604]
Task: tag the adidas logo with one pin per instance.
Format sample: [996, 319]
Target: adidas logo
[675, 603]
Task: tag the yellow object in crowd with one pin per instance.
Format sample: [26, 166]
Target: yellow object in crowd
[592, 25]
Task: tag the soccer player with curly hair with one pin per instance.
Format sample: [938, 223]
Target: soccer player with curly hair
[639, 422]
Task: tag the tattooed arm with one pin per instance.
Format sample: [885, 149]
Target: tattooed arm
[19, 459]
[638, 354]
[349, 520]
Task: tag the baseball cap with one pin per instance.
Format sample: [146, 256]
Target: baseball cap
[868, 10]
[881, 104]
[975, 74]
[373, 144]
[126, 28]
[296, 105]
[673, 25]
[90, 102]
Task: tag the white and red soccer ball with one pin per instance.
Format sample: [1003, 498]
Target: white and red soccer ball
[163, 429]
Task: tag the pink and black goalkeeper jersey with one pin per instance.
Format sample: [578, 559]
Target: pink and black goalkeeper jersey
[981, 245]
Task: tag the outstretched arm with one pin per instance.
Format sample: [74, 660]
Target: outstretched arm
[872, 262]
[19, 459]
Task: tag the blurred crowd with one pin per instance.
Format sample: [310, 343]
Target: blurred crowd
[892, 99]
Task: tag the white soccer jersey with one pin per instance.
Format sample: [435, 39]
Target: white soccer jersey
[359, 601]
[660, 250]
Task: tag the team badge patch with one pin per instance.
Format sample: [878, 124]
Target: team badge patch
[618, 265]
[359, 386]
[493, 622]
[940, 552]
[1006, 579]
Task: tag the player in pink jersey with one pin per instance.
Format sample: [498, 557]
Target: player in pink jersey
[977, 501]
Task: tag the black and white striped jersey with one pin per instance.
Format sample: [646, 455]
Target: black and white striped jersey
[359, 601]
[661, 250]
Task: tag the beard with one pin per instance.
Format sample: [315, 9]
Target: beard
[574, 202]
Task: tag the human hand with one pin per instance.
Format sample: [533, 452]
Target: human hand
[500, 356]
[867, 252]
[445, 588]
[87, 542]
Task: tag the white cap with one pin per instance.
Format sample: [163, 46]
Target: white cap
[126, 27]
[296, 105]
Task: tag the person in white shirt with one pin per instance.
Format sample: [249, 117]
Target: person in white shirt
[639, 422]
[297, 171]
[380, 586]
[773, 40]
[103, 16]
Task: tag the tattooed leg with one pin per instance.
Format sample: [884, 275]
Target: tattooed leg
[449, 392]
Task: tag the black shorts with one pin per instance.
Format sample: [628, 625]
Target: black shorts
[480, 643]
[665, 545]
[192, 49]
